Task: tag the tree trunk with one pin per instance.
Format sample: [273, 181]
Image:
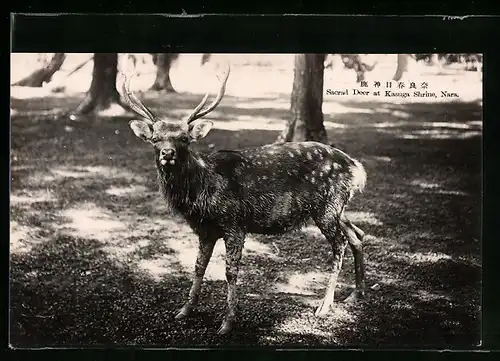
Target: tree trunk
[58, 86]
[43, 75]
[435, 61]
[330, 61]
[102, 93]
[306, 122]
[205, 58]
[354, 61]
[163, 62]
[402, 66]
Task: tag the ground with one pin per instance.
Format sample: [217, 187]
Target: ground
[97, 259]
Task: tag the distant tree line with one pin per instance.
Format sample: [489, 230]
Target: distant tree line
[306, 120]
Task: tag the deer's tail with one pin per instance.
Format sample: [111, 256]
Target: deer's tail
[357, 173]
[358, 176]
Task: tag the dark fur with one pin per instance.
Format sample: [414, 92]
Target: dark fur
[233, 190]
[271, 189]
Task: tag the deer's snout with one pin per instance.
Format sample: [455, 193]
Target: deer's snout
[167, 153]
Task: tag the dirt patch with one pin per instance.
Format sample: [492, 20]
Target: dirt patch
[97, 259]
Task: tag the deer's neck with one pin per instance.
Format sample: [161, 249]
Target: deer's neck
[184, 186]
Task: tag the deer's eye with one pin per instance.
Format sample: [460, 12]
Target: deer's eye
[184, 138]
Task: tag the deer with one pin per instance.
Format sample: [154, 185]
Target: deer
[271, 189]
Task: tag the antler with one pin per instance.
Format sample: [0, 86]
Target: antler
[197, 112]
[134, 102]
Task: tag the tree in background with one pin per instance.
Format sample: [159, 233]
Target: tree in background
[350, 61]
[402, 66]
[306, 122]
[163, 62]
[44, 74]
[205, 58]
[434, 60]
[102, 94]
[354, 61]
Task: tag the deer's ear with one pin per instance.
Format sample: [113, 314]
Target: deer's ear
[200, 129]
[141, 129]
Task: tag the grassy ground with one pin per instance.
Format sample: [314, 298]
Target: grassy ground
[97, 259]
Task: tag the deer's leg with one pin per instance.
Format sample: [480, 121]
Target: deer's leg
[355, 242]
[205, 250]
[359, 232]
[234, 249]
[331, 229]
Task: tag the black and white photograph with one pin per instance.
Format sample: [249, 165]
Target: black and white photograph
[206, 200]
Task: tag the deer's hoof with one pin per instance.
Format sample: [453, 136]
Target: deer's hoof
[356, 295]
[352, 298]
[225, 328]
[322, 310]
[184, 312]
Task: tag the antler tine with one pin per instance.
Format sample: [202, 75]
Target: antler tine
[198, 114]
[134, 102]
[197, 109]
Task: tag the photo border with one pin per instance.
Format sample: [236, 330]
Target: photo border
[304, 34]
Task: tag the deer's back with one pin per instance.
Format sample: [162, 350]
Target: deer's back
[281, 186]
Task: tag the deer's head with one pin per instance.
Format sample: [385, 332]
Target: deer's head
[171, 140]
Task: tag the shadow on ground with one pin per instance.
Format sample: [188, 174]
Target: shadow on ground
[97, 259]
